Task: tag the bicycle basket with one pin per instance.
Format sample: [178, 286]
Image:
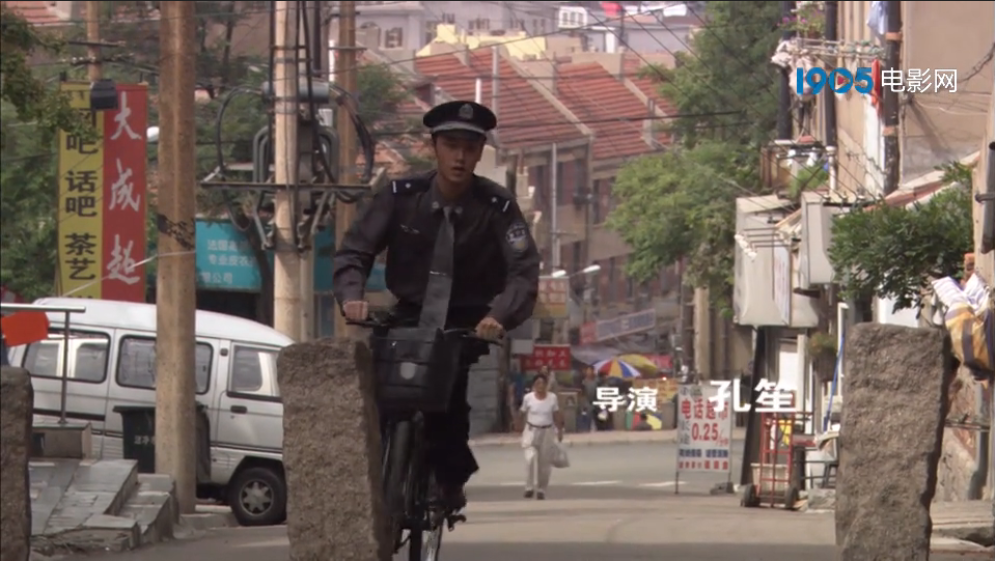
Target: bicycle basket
[415, 369]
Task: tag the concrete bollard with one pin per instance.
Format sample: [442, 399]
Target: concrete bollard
[16, 403]
[331, 453]
[895, 390]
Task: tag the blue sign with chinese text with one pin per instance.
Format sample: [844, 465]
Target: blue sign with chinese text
[225, 260]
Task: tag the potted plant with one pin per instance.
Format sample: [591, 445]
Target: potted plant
[808, 20]
[822, 346]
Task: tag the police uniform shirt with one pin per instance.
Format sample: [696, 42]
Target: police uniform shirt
[496, 262]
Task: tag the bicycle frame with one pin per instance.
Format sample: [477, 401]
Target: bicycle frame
[407, 479]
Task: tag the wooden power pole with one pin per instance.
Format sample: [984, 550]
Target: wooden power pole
[176, 302]
[287, 305]
[93, 38]
[893, 54]
[345, 77]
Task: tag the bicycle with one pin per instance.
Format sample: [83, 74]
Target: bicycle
[409, 488]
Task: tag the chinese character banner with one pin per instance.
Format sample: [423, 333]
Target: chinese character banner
[102, 199]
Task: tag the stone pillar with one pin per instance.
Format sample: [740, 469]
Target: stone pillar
[331, 453]
[16, 402]
[896, 402]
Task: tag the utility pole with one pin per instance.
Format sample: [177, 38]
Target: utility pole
[306, 137]
[287, 305]
[554, 223]
[176, 302]
[893, 40]
[93, 38]
[686, 319]
[345, 77]
[784, 124]
[829, 101]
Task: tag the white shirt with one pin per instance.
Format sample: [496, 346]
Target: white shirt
[539, 412]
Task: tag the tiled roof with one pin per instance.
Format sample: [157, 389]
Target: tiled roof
[526, 117]
[606, 106]
[35, 13]
[649, 83]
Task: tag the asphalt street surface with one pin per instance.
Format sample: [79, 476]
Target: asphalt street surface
[615, 502]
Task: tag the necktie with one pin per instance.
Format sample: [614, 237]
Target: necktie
[435, 306]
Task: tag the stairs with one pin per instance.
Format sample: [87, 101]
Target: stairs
[105, 505]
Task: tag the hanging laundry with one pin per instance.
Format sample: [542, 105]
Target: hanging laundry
[877, 19]
[971, 322]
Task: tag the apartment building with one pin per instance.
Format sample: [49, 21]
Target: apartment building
[935, 126]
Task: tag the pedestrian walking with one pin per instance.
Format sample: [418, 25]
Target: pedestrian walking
[543, 430]
[589, 396]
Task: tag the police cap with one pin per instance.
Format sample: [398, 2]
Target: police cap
[460, 116]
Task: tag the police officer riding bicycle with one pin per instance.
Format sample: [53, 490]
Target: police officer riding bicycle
[459, 255]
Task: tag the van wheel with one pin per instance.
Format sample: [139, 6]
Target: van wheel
[258, 497]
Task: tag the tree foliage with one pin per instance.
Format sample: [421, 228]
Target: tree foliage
[894, 251]
[31, 98]
[381, 94]
[727, 69]
[681, 204]
[33, 111]
[678, 205]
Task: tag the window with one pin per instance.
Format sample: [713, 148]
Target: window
[87, 361]
[431, 31]
[394, 38]
[596, 217]
[253, 372]
[372, 32]
[561, 192]
[136, 364]
[611, 280]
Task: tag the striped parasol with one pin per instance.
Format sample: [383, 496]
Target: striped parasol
[616, 368]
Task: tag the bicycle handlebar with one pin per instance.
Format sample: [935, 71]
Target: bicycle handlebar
[469, 334]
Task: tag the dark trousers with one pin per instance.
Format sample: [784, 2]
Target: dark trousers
[448, 434]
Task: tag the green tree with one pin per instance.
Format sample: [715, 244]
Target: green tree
[380, 94]
[895, 252]
[681, 204]
[32, 100]
[31, 113]
[727, 69]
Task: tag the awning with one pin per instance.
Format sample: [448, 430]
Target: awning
[589, 354]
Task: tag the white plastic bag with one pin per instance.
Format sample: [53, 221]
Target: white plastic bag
[559, 457]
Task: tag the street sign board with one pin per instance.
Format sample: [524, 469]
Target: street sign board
[554, 297]
[704, 434]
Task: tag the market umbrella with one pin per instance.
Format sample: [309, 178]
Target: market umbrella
[616, 368]
[645, 366]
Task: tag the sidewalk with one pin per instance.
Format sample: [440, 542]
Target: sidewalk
[594, 438]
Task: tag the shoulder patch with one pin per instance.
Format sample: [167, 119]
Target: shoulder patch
[410, 185]
[517, 237]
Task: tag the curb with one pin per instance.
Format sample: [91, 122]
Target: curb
[203, 521]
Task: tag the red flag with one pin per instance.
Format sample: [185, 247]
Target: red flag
[24, 328]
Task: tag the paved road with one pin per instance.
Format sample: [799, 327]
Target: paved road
[615, 502]
[646, 466]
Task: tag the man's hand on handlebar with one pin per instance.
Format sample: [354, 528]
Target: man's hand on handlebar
[489, 329]
[356, 310]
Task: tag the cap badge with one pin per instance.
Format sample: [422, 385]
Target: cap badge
[466, 112]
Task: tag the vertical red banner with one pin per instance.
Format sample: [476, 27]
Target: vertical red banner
[124, 196]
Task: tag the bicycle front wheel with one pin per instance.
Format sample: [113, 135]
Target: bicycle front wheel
[395, 473]
[432, 543]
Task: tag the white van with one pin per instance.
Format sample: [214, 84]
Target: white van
[112, 363]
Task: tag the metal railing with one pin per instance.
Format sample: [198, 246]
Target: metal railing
[67, 311]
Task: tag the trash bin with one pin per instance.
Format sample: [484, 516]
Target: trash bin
[138, 423]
